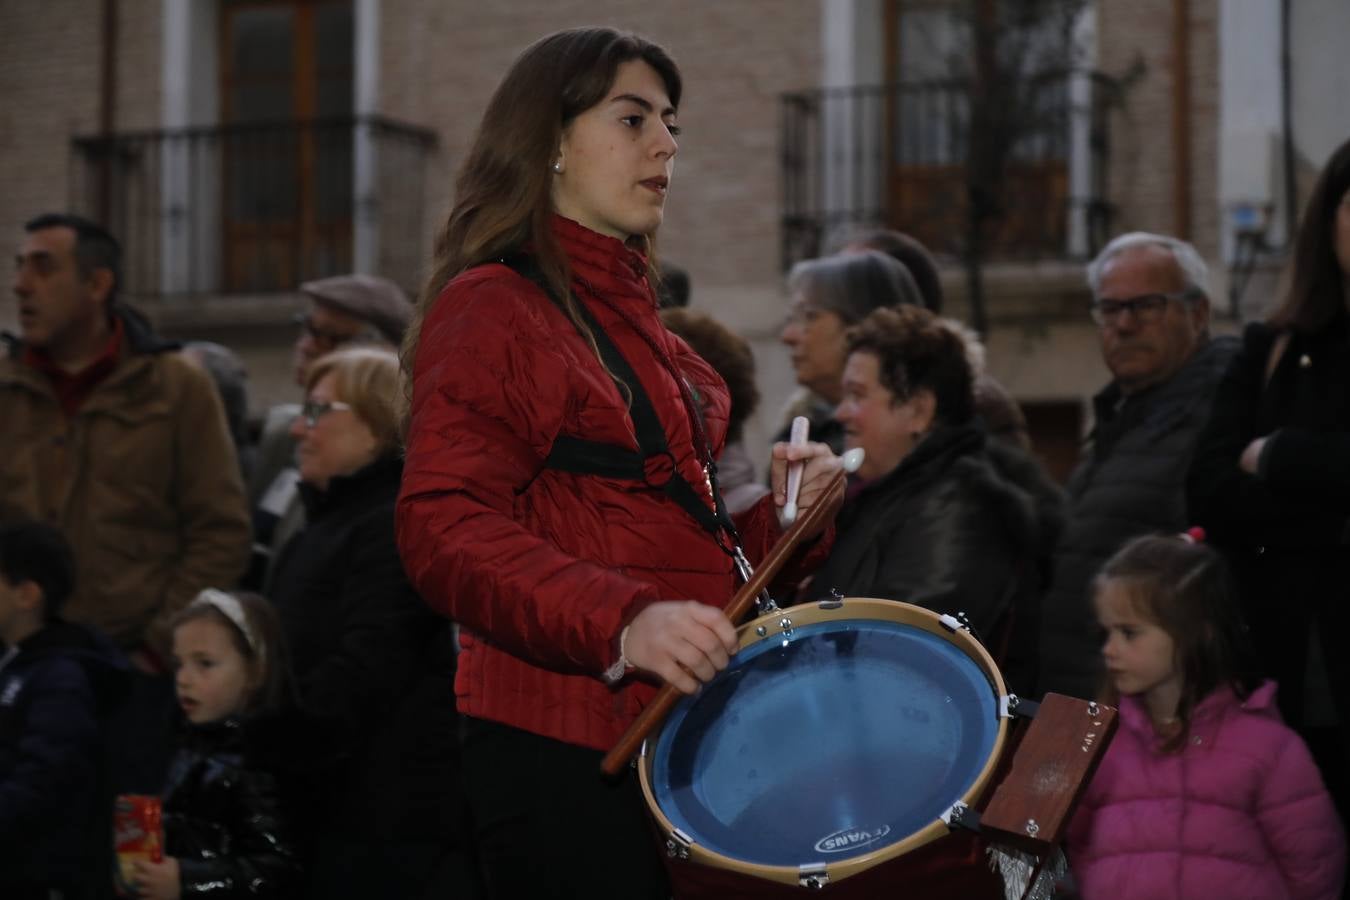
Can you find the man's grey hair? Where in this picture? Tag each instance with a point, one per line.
(1192, 267)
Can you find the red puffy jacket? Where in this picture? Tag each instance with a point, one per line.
(542, 568)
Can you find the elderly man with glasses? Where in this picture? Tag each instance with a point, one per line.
(1151, 306)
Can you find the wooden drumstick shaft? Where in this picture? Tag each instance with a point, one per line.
(655, 712)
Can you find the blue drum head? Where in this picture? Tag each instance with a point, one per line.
(846, 737)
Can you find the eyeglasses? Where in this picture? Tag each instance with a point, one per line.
(1145, 309)
(314, 410)
(330, 339)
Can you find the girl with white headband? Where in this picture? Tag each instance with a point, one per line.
(225, 826)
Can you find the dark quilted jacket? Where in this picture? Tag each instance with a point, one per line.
(1131, 482)
(56, 687)
(227, 819)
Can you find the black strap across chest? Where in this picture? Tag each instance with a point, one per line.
(652, 462)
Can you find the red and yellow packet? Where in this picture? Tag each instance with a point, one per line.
(137, 835)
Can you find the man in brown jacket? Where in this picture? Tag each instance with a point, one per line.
(112, 436)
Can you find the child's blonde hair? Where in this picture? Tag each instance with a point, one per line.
(1183, 586)
(255, 630)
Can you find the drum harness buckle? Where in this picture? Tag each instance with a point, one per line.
(961, 816)
(1013, 706)
(763, 603)
(813, 876)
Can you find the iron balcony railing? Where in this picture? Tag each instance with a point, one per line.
(258, 207)
(897, 156)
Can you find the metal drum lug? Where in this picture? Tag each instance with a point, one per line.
(677, 844)
(834, 601)
(813, 876)
(952, 623)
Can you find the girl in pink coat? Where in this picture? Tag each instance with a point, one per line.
(1204, 791)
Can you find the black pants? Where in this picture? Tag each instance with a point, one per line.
(549, 825)
(356, 868)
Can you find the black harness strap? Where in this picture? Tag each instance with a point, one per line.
(652, 463)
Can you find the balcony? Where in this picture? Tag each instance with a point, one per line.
(258, 208)
(899, 156)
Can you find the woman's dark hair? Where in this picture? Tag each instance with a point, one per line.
(673, 291)
(912, 254)
(728, 353)
(1186, 589)
(917, 350)
(503, 194)
(1315, 284)
(273, 692)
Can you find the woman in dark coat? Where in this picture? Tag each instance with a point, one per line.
(935, 520)
(1270, 480)
(374, 667)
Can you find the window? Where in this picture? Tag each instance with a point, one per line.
(286, 101)
(979, 82)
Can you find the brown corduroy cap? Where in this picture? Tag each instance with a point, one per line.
(367, 297)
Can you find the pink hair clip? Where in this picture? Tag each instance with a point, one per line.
(1193, 535)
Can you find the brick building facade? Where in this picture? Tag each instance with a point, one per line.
(431, 64)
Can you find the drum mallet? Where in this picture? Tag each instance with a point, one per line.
(801, 429)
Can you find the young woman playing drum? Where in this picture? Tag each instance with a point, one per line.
(558, 493)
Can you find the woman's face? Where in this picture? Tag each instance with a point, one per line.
(885, 429)
(617, 157)
(338, 443)
(1343, 235)
(815, 338)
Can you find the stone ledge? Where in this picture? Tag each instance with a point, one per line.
(211, 312)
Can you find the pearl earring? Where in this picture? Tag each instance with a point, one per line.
(557, 167)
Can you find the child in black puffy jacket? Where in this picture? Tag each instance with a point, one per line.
(227, 829)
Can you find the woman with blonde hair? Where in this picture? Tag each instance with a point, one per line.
(559, 496)
(373, 666)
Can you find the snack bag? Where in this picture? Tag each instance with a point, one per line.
(137, 834)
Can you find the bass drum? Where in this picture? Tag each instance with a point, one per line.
(836, 742)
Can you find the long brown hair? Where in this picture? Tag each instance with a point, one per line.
(1315, 292)
(503, 194)
(1185, 588)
